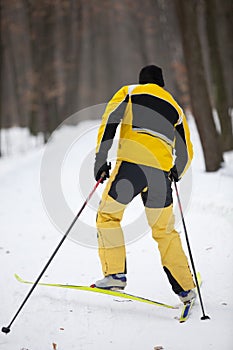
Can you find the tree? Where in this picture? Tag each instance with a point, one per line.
(224, 18)
(219, 91)
(171, 50)
(200, 101)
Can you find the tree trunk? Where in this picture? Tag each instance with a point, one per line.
(200, 102)
(224, 13)
(218, 83)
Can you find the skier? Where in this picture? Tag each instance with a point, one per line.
(154, 149)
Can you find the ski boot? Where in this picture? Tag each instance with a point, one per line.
(113, 282)
(187, 296)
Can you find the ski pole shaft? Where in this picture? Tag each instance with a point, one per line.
(7, 329)
(204, 316)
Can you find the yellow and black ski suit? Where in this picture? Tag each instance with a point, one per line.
(154, 136)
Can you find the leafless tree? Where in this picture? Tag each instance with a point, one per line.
(218, 83)
(200, 101)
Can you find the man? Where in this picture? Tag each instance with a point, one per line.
(154, 149)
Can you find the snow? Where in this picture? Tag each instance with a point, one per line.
(65, 319)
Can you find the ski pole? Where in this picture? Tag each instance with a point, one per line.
(7, 329)
(204, 316)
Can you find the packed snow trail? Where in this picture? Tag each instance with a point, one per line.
(78, 321)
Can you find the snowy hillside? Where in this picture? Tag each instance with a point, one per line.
(65, 319)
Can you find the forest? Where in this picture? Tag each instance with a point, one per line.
(60, 56)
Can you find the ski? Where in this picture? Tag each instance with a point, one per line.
(93, 289)
(185, 313)
(187, 307)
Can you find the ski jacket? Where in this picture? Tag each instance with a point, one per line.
(153, 128)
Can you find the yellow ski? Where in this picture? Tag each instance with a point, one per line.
(101, 291)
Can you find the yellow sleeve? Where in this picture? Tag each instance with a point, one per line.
(183, 130)
(112, 116)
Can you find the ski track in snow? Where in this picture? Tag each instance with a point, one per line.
(83, 321)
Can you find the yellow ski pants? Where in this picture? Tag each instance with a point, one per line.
(161, 220)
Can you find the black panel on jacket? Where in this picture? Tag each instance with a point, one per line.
(181, 149)
(154, 116)
(158, 105)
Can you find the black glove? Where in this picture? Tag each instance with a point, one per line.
(101, 168)
(173, 175)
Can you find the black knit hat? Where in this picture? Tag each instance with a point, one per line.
(151, 74)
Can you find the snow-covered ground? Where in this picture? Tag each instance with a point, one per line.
(65, 319)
